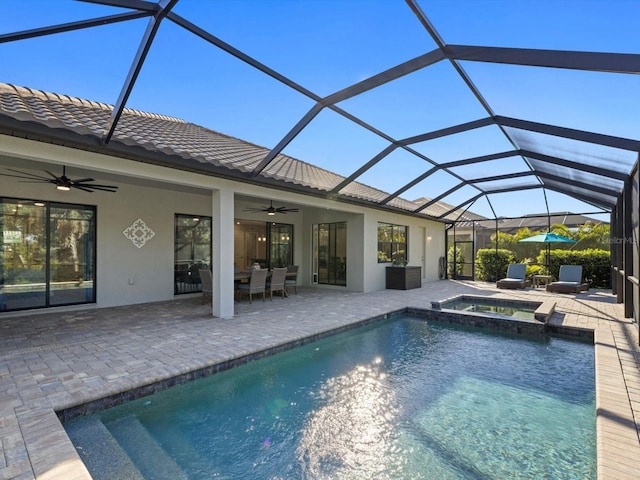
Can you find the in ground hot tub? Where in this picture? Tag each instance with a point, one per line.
(525, 315)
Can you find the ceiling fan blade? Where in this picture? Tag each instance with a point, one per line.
(35, 181)
(28, 179)
(83, 188)
(54, 176)
(29, 176)
(83, 180)
(95, 186)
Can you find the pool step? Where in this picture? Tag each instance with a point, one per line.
(100, 452)
(145, 452)
(543, 312)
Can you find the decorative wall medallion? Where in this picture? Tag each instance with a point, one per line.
(139, 233)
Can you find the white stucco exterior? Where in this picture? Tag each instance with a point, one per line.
(126, 274)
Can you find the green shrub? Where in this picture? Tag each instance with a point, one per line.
(534, 270)
(596, 264)
(491, 265)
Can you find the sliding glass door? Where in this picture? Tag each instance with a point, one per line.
(71, 254)
(192, 251)
(48, 254)
(330, 253)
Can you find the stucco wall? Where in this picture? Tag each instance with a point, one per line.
(425, 246)
(127, 274)
(355, 255)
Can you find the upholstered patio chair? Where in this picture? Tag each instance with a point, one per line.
(569, 280)
(207, 284)
(257, 284)
(292, 278)
(276, 283)
(516, 277)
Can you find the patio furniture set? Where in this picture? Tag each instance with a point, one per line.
(256, 281)
(260, 281)
(569, 279)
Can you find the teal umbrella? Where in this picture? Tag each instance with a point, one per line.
(547, 238)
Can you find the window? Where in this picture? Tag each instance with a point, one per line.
(330, 253)
(280, 243)
(192, 251)
(392, 243)
(268, 244)
(48, 254)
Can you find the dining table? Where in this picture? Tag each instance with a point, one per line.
(242, 276)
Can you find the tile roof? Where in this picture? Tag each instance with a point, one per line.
(174, 137)
(540, 221)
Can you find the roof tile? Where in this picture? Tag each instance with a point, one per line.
(174, 136)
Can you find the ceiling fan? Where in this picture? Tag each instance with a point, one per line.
(61, 182)
(271, 210)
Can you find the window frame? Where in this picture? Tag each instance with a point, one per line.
(187, 280)
(329, 240)
(391, 249)
(79, 288)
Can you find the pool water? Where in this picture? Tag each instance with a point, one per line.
(401, 399)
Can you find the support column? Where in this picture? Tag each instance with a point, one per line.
(613, 248)
(628, 250)
(222, 252)
(619, 247)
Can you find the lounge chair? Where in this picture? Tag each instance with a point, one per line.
(569, 280)
(276, 283)
(257, 284)
(516, 277)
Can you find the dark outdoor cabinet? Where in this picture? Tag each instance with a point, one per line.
(404, 278)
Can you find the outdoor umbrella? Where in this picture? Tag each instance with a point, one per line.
(547, 238)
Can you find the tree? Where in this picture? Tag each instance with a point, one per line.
(593, 235)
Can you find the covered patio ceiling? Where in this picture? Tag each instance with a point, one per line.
(457, 103)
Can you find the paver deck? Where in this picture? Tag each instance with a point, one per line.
(50, 361)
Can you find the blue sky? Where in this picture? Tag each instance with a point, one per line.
(328, 45)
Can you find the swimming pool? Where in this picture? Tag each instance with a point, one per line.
(401, 399)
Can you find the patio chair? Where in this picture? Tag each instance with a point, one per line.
(207, 284)
(257, 284)
(292, 278)
(516, 277)
(569, 280)
(277, 282)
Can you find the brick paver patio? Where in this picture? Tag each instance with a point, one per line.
(50, 361)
